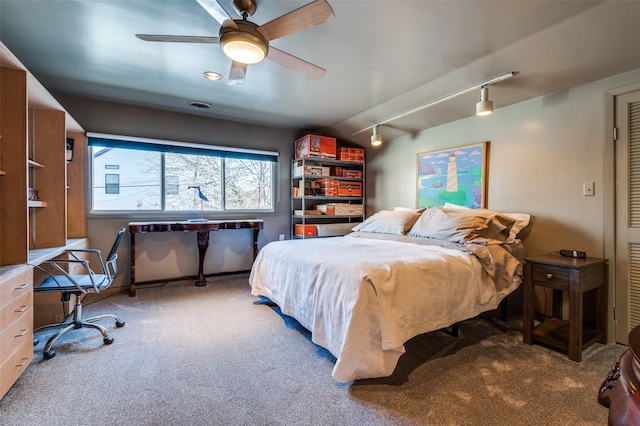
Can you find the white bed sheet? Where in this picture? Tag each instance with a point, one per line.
(363, 298)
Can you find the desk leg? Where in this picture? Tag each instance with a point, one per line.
(132, 282)
(203, 244)
(255, 243)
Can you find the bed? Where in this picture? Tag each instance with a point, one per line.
(397, 275)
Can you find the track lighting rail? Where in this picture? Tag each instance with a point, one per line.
(489, 82)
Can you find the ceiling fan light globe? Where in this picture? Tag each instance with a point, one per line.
(244, 52)
(243, 44)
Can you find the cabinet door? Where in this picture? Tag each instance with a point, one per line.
(13, 157)
(47, 147)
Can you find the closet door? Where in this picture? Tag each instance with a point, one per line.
(627, 214)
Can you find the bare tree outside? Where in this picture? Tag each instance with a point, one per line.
(247, 184)
(129, 179)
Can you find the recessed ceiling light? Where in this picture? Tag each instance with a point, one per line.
(212, 75)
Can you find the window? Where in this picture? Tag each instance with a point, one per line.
(111, 184)
(165, 177)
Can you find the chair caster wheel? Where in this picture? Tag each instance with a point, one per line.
(48, 354)
(119, 323)
(108, 340)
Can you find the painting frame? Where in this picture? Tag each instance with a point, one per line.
(456, 175)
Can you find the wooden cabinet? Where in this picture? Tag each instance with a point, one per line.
(326, 194)
(577, 278)
(34, 128)
(16, 324)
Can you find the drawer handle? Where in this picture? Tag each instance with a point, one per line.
(23, 286)
(24, 361)
(22, 308)
(22, 332)
(550, 276)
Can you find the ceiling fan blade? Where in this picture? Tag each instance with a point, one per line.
(310, 15)
(296, 64)
(178, 39)
(237, 73)
(218, 13)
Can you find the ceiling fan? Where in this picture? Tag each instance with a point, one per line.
(247, 43)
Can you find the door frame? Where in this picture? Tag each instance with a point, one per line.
(610, 201)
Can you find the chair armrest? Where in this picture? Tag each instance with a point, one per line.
(72, 252)
(84, 263)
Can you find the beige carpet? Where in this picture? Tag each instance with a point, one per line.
(215, 355)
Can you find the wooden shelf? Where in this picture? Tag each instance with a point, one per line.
(555, 332)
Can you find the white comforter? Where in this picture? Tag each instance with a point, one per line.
(362, 298)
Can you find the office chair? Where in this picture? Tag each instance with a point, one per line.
(78, 285)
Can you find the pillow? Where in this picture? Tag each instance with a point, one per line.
(479, 226)
(521, 219)
(521, 222)
(389, 222)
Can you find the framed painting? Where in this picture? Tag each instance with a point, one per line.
(454, 175)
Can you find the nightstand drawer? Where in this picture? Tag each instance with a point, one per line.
(550, 276)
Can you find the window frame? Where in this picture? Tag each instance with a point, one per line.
(164, 146)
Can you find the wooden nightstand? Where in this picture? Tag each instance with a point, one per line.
(575, 276)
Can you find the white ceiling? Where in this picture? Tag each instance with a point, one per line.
(382, 57)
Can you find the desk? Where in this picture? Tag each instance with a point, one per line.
(202, 229)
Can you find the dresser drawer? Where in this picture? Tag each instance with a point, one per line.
(550, 276)
(13, 366)
(14, 336)
(15, 309)
(15, 287)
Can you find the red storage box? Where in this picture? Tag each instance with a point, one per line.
(350, 189)
(343, 154)
(306, 230)
(316, 146)
(352, 173)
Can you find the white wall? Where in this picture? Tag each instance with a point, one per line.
(541, 151)
(166, 255)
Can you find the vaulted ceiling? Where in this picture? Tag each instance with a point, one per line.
(381, 57)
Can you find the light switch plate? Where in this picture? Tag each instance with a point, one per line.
(588, 188)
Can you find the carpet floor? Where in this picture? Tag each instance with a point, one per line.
(216, 355)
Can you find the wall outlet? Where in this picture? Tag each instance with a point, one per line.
(588, 188)
(281, 237)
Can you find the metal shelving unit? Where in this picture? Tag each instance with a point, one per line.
(306, 200)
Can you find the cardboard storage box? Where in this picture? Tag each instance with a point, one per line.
(329, 209)
(328, 187)
(306, 230)
(342, 209)
(316, 146)
(350, 189)
(350, 154)
(307, 169)
(352, 173)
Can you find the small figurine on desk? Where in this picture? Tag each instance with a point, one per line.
(203, 198)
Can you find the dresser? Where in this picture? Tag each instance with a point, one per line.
(16, 323)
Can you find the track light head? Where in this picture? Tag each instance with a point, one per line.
(484, 106)
(376, 139)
